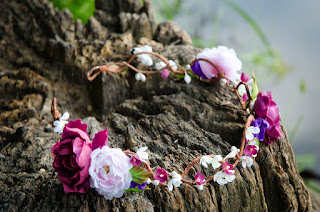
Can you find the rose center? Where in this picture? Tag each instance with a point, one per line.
(161, 175)
(246, 160)
(227, 167)
(250, 149)
(134, 160)
(218, 178)
(107, 169)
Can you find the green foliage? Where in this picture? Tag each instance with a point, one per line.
(306, 161)
(139, 174)
(81, 9)
(169, 10)
(136, 189)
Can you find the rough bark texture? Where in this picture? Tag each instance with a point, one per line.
(44, 53)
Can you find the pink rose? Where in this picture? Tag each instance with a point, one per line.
(109, 172)
(72, 156)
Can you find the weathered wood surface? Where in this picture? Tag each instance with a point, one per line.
(44, 53)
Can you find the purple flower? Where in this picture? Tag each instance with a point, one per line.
(227, 168)
(140, 186)
(200, 178)
(263, 125)
(161, 175)
(267, 109)
(250, 150)
(245, 77)
(72, 157)
(196, 68)
(135, 160)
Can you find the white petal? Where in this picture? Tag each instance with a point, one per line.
(242, 90)
(187, 78)
(65, 116)
(155, 182)
(138, 76)
(255, 130)
(173, 64)
(160, 65)
(223, 81)
(170, 186)
(136, 50)
(200, 187)
(250, 162)
(216, 164)
(56, 123)
(244, 164)
(148, 181)
(251, 105)
(143, 78)
(141, 152)
(230, 178)
(188, 67)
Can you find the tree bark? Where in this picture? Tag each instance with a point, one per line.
(44, 53)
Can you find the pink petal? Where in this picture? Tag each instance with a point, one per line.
(100, 139)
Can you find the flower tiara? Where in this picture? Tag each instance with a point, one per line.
(82, 163)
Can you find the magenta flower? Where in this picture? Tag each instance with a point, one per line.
(223, 58)
(245, 77)
(245, 97)
(165, 73)
(200, 178)
(135, 160)
(161, 175)
(72, 157)
(267, 109)
(227, 168)
(250, 150)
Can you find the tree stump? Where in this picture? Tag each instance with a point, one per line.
(44, 53)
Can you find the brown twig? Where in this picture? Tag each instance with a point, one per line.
(54, 111)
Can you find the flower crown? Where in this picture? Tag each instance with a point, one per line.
(82, 163)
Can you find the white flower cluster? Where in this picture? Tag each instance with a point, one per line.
(175, 180)
(59, 124)
(147, 60)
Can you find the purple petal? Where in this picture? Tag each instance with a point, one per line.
(196, 68)
(100, 139)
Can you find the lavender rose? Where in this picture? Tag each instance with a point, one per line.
(225, 59)
(109, 172)
(72, 157)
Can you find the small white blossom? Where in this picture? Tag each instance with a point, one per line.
(251, 105)
(148, 181)
(155, 182)
(59, 124)
(187, 78)
(160, 65)
(220, 178)
(251, 131)
(143, 155)
(223, 81)
(175, 180)
(230, 178)
(173, 64)
(233, 153)
(246, 161)
(188, 67)
(199, 187)
(205, 160)
(145, 58)
(242, 90)
(216, 161)
(140, 77)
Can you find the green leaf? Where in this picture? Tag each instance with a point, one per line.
(306, 161)
(255, 89)
(257, 141)
(139, 174)
(138, 190)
